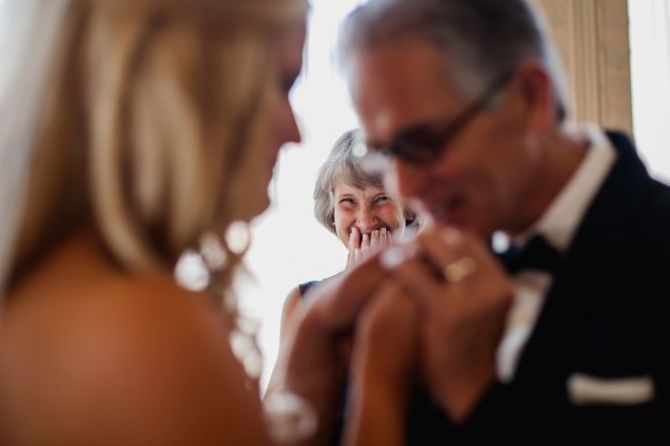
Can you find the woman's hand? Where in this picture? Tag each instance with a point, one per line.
(363, 245)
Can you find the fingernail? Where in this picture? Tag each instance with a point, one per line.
(392, 257)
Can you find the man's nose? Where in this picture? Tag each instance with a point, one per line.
(409, 180)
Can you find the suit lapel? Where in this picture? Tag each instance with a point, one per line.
(596, 253)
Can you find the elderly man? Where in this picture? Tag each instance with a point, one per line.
(464, 105)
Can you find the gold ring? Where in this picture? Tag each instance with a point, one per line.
(460, 269)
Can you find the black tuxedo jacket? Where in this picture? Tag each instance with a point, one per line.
(606, 316)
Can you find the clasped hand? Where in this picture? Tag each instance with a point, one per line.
(431, 309)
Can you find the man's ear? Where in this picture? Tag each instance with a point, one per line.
(536, 96)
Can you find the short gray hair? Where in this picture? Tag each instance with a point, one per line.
(342, 162)
(488, 38)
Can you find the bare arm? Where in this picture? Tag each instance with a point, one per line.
(311, 364)
(290, 309)
(385, 353)
(291, 304)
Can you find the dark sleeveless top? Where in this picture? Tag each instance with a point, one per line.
(304, 287)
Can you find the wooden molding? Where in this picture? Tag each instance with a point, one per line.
(592, 39)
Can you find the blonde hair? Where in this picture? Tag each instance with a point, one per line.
(155, 110)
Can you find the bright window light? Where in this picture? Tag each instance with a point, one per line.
(650, 74)
(289, 246)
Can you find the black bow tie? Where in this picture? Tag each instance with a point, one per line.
(537, 254)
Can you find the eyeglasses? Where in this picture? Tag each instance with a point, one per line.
(421, 146)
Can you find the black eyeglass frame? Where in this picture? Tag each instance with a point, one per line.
(433, 149)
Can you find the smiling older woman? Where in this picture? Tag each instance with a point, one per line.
(353, 204)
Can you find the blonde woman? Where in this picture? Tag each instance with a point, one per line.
(131, 129)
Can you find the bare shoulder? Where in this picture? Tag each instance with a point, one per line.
(103, 358)
(291, 304)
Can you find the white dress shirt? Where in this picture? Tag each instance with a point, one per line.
(558, 226)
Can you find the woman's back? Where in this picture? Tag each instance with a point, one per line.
(142, 127)
(89, 355)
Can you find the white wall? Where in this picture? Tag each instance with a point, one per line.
(650, 67)
(289, 246)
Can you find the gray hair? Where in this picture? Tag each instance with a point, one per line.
(488, 38)
(342, 162)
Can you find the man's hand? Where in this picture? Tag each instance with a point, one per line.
(464, 296)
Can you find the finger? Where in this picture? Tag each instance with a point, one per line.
(458, 246)
(412, 274)
(468, 266)
(386, 237)
(350, 259)
(354, 239)
(337, 302)
(481, 250)
(354, 243)
(374, 239)
(442, 247)
(365, 242)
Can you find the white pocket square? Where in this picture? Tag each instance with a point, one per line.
(591, 390)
